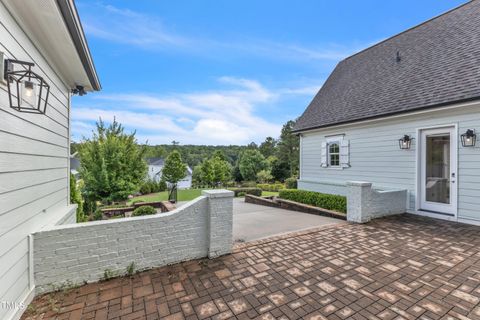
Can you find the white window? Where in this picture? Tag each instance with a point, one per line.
(335, 152)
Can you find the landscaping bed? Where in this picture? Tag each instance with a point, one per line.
(164, 206)
(272, 201)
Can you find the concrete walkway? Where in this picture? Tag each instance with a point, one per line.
(253, 222)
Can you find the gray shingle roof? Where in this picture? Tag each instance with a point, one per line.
(155, 161)
(439, 64)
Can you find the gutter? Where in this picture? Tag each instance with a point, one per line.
(70, 16)
(392, 114)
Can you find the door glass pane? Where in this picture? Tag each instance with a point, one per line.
(438, 168)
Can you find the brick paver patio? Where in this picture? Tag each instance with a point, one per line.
(397, 268)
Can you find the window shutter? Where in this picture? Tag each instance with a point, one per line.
(324, 155)
(345, 154)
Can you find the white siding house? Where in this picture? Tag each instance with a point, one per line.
(155, 167)
(35, 148)
(423, 83)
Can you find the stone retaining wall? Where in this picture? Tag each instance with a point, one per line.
(293, 206)
(84, 252)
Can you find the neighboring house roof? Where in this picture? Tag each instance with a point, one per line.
(438, 63)
(54, 26)
(155, 161)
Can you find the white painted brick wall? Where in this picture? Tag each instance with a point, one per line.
(365, 203)
(81, 253)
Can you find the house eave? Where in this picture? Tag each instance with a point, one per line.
(432, 108)
(54, 28)
(70, 15)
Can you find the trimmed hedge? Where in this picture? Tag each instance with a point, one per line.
(274, 187)
(291, 183)
(317, 199)
(253, 191)
(144, 211)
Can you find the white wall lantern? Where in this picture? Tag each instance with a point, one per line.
(469, 138)
(27, 91)
(405, 142)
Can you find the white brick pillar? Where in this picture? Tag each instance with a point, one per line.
(358, 199)
(220, 221)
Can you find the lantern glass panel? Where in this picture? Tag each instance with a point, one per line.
(28, 94)
(405, 143)
(469, 139)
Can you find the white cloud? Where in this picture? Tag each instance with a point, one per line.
(226, 116)
(148, 32)
(128, 27)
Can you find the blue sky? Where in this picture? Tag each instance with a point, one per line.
(224, 72)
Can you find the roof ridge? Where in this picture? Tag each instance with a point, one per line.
(410, 29)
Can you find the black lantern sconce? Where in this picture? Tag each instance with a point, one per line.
(469, 138)
(406, 142)
(27, 91)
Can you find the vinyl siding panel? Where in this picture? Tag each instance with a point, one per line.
(376, 157)
(34, 165)
(14, 181)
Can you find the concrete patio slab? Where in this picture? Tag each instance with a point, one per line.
(253, 222)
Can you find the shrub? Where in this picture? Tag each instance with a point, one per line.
(146, 188)
(291, 183)
(161, 186)
(274, 187)
(264, 176)
(89, 206)
(321, 200)
(253, 191)
(151, 186)
(144, 211)
(248, 184)
(98, 215)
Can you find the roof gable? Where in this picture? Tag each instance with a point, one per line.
(155, 161)
(438, 64)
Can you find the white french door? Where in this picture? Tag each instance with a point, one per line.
(438, 174)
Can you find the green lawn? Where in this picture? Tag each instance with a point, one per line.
(269, 194)
(183, 195)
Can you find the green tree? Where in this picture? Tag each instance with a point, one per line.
(236, 174)
(207, 175)
(76, 197)
(214, 171)
(279, 170)
(268, 147)
(112, 165)
(174, 169)
(251, 163)
(221, 168)
(288, 148)
(264, 176)
(197, 176)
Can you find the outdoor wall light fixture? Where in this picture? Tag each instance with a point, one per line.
(469, 138)
(80, 90)
(27, 91)
(405, 142)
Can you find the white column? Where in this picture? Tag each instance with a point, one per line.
(220, 222)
